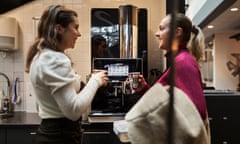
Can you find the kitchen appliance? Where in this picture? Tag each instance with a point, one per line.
(116, 97)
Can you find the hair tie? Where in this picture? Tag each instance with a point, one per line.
(195, 30)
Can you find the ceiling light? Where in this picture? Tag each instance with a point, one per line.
(234, 9)
(210, 26)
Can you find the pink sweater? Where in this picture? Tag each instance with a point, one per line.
(188, 79)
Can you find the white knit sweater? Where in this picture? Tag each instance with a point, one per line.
(56, 85)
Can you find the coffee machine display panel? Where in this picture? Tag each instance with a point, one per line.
(118, 68)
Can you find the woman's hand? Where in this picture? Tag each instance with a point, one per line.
(101, 75)
(141, 84)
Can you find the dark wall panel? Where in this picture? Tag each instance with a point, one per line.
(7, 5)
(180, 7)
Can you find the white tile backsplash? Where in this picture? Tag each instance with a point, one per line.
(31, 105)
(20, 76)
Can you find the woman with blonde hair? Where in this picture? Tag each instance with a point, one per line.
(148, 119)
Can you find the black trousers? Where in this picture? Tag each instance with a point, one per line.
(58, 131)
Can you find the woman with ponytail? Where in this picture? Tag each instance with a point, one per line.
(148, 119)
(196, 44)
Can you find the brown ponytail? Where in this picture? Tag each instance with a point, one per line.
(196, 44)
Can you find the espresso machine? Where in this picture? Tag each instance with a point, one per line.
(117, 97)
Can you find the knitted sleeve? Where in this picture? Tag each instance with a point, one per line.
(57, 74)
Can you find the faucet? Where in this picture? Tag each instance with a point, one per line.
(8, 84)
(5, 102)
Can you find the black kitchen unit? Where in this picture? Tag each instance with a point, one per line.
(223, 106)
(99, 133)
(20, 128)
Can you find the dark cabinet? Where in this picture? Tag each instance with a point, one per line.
(224, 118)
(13, 134)
(20, 134)
(97, 137)
(93, 133)
(19, 128)
(2, 136)
(99, 133)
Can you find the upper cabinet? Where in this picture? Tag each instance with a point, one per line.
(8, 34)
(7, 5)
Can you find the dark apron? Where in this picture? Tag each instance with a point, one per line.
(58, 131)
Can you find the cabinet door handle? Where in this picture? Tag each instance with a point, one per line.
(225, 118)
(210, 118)
(33, 133)
(96, 132)
(224, 142)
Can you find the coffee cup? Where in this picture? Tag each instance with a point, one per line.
(133, 80)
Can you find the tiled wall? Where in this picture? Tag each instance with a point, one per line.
(13, 63)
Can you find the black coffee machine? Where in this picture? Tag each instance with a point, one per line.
(116, 97)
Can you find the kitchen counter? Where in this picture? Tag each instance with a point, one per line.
(24, 124)
(18, 127)
(21, 118)
(25, 118)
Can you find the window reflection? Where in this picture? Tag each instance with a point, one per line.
(105, 23)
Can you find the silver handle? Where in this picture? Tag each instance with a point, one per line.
(33, 133)
(210, 118)
(96, 132)
(225, 118)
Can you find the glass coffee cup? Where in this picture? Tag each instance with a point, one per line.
(133, 80)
